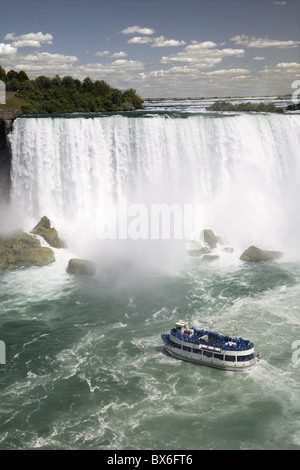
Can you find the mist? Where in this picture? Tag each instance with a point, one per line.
(243, 170)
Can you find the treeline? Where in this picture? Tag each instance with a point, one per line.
(68, 95)
(258, 107)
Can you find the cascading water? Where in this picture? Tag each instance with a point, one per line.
(243, 169)
(85, 366)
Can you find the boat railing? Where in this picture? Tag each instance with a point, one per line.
(218, 341)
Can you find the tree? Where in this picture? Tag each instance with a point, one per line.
(22, 76)
(12, 74)
(116, 97)
(12, 85)
(56, 82)
(88, 86)
(43, 82)
(3, 76)
(102, 87)
(68, 82)
(46, 95)
(133, 98)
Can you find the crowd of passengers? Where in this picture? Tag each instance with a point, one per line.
(214, 339)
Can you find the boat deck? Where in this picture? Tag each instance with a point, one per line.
(212, 339)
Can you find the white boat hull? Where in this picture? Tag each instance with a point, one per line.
(210, 362)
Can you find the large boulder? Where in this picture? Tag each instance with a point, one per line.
(210, 238)
(50, 235)
(23, 250)
(256, 254)
(81, 266)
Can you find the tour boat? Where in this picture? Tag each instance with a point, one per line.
(209, 348)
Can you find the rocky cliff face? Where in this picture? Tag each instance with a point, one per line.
(6, 122)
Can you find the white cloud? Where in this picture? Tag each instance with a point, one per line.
(7, 49)
(29, 39)
(227, 72)
(195, 45)
(140, 40)
(189, 71)
(133, 64)
(102, 54)
(110, 54)
(26, 43)
(43, 63)
(120, 73)
(137, 30)
(261, 43)
(160, 41)
(44, 57)
(202, 54)
(119, 54)
(279, 3)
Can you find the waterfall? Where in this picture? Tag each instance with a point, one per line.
(244, 169)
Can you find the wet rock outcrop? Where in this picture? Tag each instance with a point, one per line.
(81, 266)
(256, 254)
(50, 235)
(210, 238)
(23, 250)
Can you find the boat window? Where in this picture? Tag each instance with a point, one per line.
(207, 354)
(186, 348)
(230, 358)
(175, 345)
(245, 358)
(218, 356)
(197, 351)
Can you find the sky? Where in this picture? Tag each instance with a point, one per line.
(161, 48)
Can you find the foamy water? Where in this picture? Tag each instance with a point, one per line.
(85, 364)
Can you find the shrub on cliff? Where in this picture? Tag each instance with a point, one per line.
(245, 107)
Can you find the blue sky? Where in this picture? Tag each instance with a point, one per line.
(162, 48)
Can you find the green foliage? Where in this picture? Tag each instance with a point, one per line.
(294, 107)
(246, 107)
(13, 80)
(44, 95)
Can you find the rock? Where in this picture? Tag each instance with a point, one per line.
(210, 257)
(50, 235)
(194, 248)
(43, 224)
(255, 254)
(220, 240)
(81, 266)
(23, 250)
(210, 238)
(202, 251)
